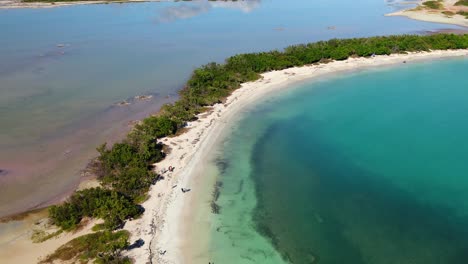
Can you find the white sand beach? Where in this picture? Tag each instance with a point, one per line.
(436, 16)
(163, 226)
(433, 17)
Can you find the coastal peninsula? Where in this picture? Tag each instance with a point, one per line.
(439, 11)
(141, 178)
(166, 226)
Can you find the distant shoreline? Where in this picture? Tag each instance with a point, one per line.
(18, 4)
(448, 14)
(163, 225)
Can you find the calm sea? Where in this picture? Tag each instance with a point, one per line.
(365, 168)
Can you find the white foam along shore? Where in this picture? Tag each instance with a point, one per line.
(436, 16)
(164, 225)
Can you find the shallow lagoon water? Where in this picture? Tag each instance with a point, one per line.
(369, 167)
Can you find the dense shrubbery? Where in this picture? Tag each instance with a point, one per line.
(155, 127)
(109, 205)
(105, 247)
(462, 3)
(125, 170)
(433, 4)
(448, 13)
(463, 13)
(125, 173)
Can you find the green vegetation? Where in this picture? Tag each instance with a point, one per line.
(109, 205)
(434, 4)
(211, 83)
(102, 247)
(448, 13)
(462, 3)
(99, 227)
(125, 170)
(463, 13)
(39, 236)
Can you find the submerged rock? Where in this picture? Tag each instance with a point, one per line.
(122, 103)
(143, 97)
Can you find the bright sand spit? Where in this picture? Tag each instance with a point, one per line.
(436, 16)
(165, 225)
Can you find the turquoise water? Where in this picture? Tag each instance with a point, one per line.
(369, 168)
(57, 103)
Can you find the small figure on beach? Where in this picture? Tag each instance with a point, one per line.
(184, 190)
(162, 252)
(171, 169)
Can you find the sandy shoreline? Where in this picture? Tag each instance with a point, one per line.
(432, 17)
(435, 16)
(16, 245)
(164, 227)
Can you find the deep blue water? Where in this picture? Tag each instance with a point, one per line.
(369, 167)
